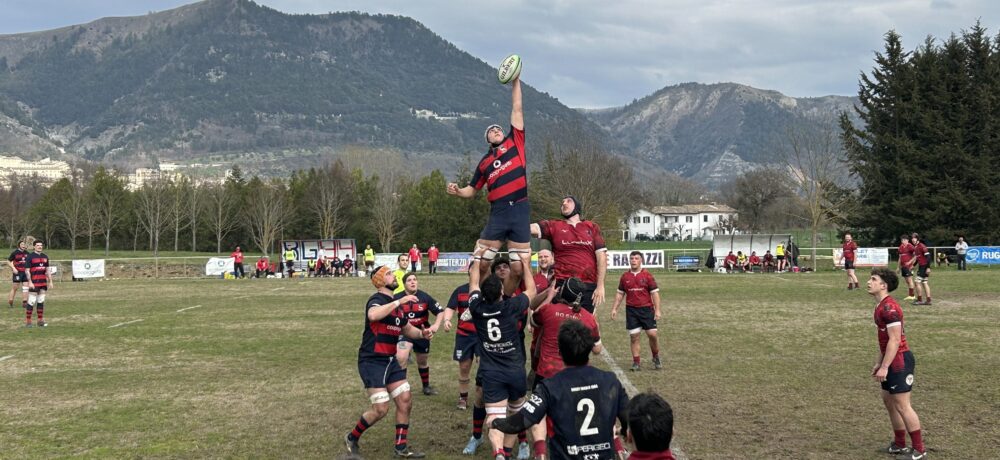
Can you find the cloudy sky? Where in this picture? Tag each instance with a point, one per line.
(600, 53)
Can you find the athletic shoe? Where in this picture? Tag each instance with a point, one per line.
(407, 453)
(656, 364)
(893, 449)
(920, 302)
(523, 452)
(43, 323)
(430, 391)
(635, 367)
(912, 455)
(472, 445)
(352, 446)
(463, 404)
(927, 302)
(29, 325)
(909, 297)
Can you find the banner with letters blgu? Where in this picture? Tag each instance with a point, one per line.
(983, 255)
(88, 268)
(618, 260)
(863, 257)
(219, 265)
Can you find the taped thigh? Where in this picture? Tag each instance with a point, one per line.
(404, 388)
(24, 288)
(32, 298)
(498, 412)
(41, 297)
(635, 331)
(380, 397)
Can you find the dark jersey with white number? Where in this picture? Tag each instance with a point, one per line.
(500, 344)
(582, 404)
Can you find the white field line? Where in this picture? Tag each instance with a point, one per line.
(126, 322)
(4, 358)
(632, 391)
(188, 308)
(278, 289)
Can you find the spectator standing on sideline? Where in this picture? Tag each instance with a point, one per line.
(779, 253)
(960, 248)
(849, 248)
(369, 259)
(20, 279)
(290, 261)
(650, 427)
(237, 256)
(261, 267)
(432, 259)
(638, 289)
(793, 253)
(39, 282)
(414, 257)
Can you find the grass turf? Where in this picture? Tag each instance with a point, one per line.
(755, 366)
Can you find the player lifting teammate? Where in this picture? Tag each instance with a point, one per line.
(381, 374)
(503, 170)
(579, 248)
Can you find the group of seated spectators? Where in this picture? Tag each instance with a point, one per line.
(742, 263)
(314, 267)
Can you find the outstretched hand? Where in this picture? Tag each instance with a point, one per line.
(452, 188)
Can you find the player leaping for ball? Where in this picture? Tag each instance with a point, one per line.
(504, 173)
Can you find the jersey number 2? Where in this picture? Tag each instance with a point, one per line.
(493, 329)
(586, 404)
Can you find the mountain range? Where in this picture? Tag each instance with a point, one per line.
(230, 78)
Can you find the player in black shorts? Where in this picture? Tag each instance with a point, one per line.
(418, 313)
(500, 348)
(581, 402)
(20, 276)
(384, 380)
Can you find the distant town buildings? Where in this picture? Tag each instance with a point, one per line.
(693, 221)
(47, 169)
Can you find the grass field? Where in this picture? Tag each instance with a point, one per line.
(756, 366)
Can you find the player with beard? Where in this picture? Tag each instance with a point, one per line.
(418, 314)
(579, 247)
(503, 171)
(381, 374)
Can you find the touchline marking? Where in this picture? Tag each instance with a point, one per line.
(632, 391)
(4, 358)
(126, 322)
(188, 308)
(278, 289)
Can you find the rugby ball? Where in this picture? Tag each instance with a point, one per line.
(509, 69)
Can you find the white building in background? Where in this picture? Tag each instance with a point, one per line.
(47, 169)
(692, 221)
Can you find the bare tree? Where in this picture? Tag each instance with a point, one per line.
(754, 194)
(152, 210)
(195, 208)
(221, 211)
(69, 209)
(329, 199)
(267, 211)
(15, 201)
(816, 162)
(177, 211)
(668, 189)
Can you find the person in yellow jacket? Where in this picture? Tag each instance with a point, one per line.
(290, 261)
(779, 253)
(369, 260)
(404, 264)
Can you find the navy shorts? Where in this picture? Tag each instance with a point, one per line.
(20, 277)
(380, 372)
(848, 264)
(922, 272)
(39, 288)
(905, 271)
(465, 347)
(587, 302)
(508, 222)
(901, 381)
(508, 385)
(422, 346)
(639, 318)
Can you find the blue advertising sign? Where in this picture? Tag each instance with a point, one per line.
(983, 255)
(454, 262)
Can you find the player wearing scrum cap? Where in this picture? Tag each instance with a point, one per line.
(381, 374)
(503, 171)
(579, 247)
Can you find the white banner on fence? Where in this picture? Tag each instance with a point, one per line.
(864, 257)
(88, 268)
(618, 260)
(219, 265)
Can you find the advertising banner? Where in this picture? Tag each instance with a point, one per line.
(651, 258)
(864, 257)
(983, 255)
(88, 268)
(328, 249)
(219, 265)
(454, 262)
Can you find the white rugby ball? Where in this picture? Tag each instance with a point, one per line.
(509, 69)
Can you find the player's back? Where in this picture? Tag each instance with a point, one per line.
(583, 403)
(497, 326)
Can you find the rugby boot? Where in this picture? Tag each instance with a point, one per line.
(912, 455)
(472, 445)
(635, 367)
(407, 453)
(430, 391)
(352, 446)
(893, 449)
(656, 364)
(42, 324)
(463, 404)
(523, 453)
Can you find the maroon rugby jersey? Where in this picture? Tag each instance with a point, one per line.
(38, 269)
(849, 249)
(380, 337)
(922, 254)
(888, 313)
(638, 288)
(459, 302)
(503, 170)
(905, 253)
(574, 248)
(548, 320)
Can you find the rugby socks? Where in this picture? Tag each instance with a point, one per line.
(917, 440)
(508, 452)
(478, 416)
(920, 298)
(401, 430)
(498, 452)
(899, 438)
(358, 430)
(911, 292)
(425, 375)
(619, 447)
(41, 307)
(635, 360)
(27, 313)
(539, 448)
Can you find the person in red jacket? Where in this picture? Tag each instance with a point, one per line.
(237, 256)
(754, 261)
(262, 267)
(730, 262)
(414, 257)
(432, 258)
(849, 248)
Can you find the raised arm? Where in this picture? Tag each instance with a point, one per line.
(516, 111)
(464, 192)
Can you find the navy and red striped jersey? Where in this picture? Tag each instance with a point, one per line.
(459, 302)
(503, 170)
(574, 247)
(638, 288)
(889, 314)
(17, 257)
(418, 313)
(380, 337)
(37, 265)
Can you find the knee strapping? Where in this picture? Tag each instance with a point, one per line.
(24, 289)
(404, 388)
(381, 397)
(512, 408)
(498, 412)
(486, 252)
(515, 254)
(464, 381)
